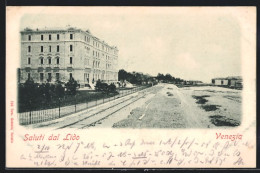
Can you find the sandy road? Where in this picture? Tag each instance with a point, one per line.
(194, 116)
(173, 107)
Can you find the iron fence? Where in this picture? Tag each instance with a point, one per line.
(37, 116)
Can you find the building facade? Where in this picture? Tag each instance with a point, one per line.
(232, 81)
(48, 55)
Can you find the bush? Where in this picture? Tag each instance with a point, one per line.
(112, 88)
(59, 90)
(71, 86)
(31, 95)
(104, 87)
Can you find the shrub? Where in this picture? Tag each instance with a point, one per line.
(59, 89)
(112, 88)
(104, 87)
(71, 86)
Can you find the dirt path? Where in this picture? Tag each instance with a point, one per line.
(194, 116)
(173, 107)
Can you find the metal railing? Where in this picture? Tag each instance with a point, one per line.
(37, 116)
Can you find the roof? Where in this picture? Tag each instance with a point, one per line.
(67, 28)
(229, 78)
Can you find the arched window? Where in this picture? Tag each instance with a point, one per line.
(57, 60)
(41, 60)
(49, 60)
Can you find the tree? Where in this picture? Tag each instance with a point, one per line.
(122, 75)
(111, 88)
(59, 89)
(160, 76)
(98, 85)
(71, 86)
(168, 77)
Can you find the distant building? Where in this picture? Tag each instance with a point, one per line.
(60, 54)
(192, 82)
(232, 81)
(220, 81)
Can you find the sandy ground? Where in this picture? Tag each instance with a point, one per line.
(174, 107)
(161, 106)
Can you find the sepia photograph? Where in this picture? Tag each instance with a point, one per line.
(131, 86)
(120, 71)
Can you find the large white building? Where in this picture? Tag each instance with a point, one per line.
(60, 54)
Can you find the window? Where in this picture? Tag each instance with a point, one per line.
(71, 36)
(58, 48)
(41, 48)
(29, 48)
(49, 48)
(49, 77)
(71, 76)
(41, 37)
(29, 76)
(41, 77)
(49, 60)
(49, 37)
(93, 53)
(29, 37)
(85, 38)
(41, 60)
(71, 48)
(29, 60)
(70, 60)
(57, 76)
(58, 36)
(58, 60)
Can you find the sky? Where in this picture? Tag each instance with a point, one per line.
(192, 44)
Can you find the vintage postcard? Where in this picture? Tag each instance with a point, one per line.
(130, 87)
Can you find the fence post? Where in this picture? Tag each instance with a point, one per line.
(59, 107)
(75, 103)
(30, 115)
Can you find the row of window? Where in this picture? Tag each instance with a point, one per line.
(49, 76)
(95, 53)
(49, 60)
(57, 76)
(96, 44)
(96, 64)
(50, 48)
(50, 37)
